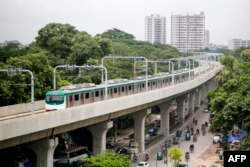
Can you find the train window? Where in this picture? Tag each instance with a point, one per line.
(77, 97)
(86, 95)
(115, 90)
(123, 89)
(97, 94)
(142, 85)
(129, 87)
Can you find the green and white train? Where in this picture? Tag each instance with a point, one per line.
(80, 94)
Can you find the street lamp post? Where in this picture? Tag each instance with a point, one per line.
(172, 64)
(187, 61)
(16, 70)
(135, 58)
(85, 67)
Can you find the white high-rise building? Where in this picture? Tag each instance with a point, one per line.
(207, 38)
(188, 32)
(237, 43)
(155, 29)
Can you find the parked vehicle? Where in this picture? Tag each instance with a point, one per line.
(216, 139)
(110, 144)
(71, 155)
(123, 150)
(143, 164)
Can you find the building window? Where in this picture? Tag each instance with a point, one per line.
(115, 90)
(129, 87)
(123, 89)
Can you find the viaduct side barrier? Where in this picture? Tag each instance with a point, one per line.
(20, 108)
(38, 126)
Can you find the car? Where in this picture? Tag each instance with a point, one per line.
(123, 150)
(205, 110)
(216, 139)
(142, 164)
(110, 144)
(147, 137)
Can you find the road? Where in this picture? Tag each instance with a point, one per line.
(204, 150)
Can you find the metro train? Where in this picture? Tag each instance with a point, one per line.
(80, 94)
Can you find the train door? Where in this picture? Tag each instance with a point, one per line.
(82, 99)
(70, 101)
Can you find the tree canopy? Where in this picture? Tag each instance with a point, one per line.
(109, 159)
(175, 154)
(60, 44)
(230, 103)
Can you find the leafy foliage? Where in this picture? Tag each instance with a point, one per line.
(230, 103)
(109, 159)
(175, 154)
(59, 44)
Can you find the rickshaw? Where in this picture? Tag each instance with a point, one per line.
(175, 141)
(187, 156)
(187, 136)
(178, 133)
(195, 138)
(203, 129)
(191, 148)
(195, 122)
(192, 131)
(197, 132)
(206, 124)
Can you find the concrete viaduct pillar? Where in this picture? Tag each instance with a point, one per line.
(99, 132)
(164, 108)
(181, 108)
(139, 126)
(198, 97)
(191, 101)
(44, 150)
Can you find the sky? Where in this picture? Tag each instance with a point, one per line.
(22, 19)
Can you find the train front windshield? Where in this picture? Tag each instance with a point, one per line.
(54, 98)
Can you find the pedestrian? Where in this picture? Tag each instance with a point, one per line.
(166, 160)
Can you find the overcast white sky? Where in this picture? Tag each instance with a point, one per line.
(21, 19)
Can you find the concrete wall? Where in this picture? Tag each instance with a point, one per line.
(20, 108)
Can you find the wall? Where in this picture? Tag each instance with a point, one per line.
(20, 108)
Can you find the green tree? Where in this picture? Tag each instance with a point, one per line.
(229, 71)
(109, 159)
(11, 49)
(83, 48)
(57, 38)
(116, 34)
(175, 154)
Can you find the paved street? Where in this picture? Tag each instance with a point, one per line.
(204, 151)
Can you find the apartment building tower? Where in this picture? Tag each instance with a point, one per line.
(188, 32)
(155, 29)
(237, 43)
